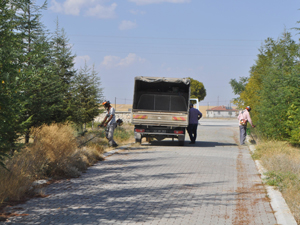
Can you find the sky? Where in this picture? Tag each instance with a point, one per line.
(209, 41)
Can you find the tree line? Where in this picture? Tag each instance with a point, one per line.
(273, 89)
(38, 82)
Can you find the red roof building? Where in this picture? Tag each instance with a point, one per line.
(221, 111)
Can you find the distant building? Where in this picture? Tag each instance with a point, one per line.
(221, 111)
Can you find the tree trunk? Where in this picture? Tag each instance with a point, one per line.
(27, 137)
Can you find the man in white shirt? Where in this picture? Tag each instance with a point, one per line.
(109, 122)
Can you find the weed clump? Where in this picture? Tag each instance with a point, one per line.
(123, 134)
(57, 143)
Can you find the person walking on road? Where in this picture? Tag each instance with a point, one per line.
(244, 118)
(194, 116)
(109, 122)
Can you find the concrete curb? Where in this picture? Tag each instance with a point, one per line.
(282, 211)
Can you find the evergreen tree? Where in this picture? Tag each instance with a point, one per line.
(62, 55)
(42, 88)
(86, 94)
(10, 96)
(63, 66)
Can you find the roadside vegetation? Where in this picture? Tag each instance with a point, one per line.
(54, 154)
(38, 82)
(272, 90)
(45, 105)
(282, 161)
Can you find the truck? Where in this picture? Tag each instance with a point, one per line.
(160, 108)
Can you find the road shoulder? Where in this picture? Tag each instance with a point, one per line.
(281, 210)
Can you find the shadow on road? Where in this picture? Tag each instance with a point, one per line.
(79, 201)
(207, 144)
(210, 144)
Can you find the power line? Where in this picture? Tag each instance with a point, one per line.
(158, 44)
(161, 53)
(165, 38)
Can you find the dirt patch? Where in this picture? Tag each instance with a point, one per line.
(242, 214)
(249, 192)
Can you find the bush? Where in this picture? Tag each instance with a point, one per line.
(293, 124)
(123, 133)
(58, 144)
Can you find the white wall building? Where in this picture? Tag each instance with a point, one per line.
(222, 112)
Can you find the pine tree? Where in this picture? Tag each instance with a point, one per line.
(87, 94)
(62, 55)
(10, 95)
(42, 88)
(63, 66)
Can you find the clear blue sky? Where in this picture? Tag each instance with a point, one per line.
(210, 41)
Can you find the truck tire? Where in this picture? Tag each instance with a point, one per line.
(138, 140)
(181, 140)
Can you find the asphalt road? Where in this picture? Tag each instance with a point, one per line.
(212, 182)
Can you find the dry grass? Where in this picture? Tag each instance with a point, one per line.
(54, 153)
(23, 169)
(58, 144)
(282, 162)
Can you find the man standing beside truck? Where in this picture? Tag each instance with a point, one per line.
(109, 122)
(194, 116)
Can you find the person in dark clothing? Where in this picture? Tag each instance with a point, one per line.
(194, 116)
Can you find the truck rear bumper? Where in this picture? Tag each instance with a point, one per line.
(159, 133)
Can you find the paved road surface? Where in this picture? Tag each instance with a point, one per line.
(212, 182)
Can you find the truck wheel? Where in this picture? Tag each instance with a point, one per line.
(181, 140)
(138, 140)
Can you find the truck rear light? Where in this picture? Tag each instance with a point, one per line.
(178, 118)
(140, 130)
(178, 131)
(140, 116)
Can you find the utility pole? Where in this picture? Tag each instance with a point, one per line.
(207, 113)
(218, 101)
(115, 104)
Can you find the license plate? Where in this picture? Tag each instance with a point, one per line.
(159, 131)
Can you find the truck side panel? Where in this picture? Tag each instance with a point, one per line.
(160, 119)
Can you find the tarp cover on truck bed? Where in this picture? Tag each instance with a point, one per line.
(161, 94)
(164, 79)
